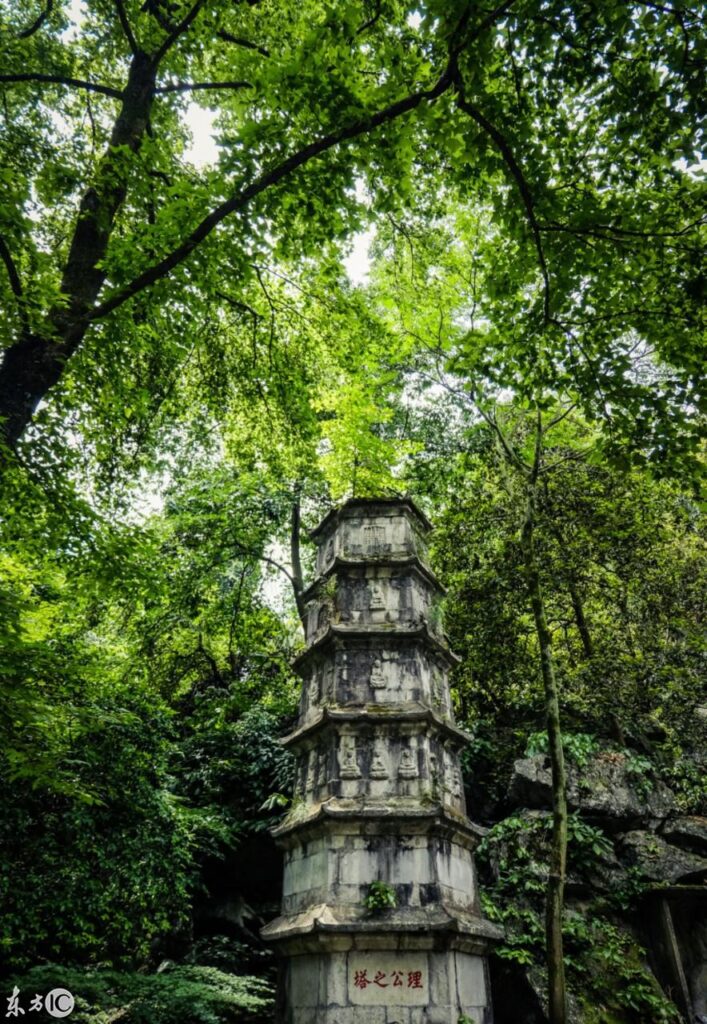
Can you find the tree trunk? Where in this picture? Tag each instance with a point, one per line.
(581, 621)
(35, 362)
(295, 557)
(558, 856)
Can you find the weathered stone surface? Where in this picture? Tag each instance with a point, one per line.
(604, 791)
(659, 860)
(689, 832)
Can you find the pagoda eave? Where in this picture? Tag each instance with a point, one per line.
(373, 817)
(375, 715)
(410, 928)
(367, 504)
(336, 632)
(409, 562)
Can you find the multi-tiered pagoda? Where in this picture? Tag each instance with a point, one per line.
(378, 794)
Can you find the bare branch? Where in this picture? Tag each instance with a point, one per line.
(266, 180)
(239, 41)
(492, 421)
(15, 283)
(372, 20)
(242, 306)
(490, 19)
(560, 417)
(125, 25)
(575, 456)
(517, 173)
(612, 231)
(76, 83)
(178, 30)
(38, 22)
(537, 454)
(196, 86)
(14, 278)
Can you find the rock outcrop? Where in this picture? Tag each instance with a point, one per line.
(607, 790)
(643, 867)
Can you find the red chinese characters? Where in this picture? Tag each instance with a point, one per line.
(397, 979)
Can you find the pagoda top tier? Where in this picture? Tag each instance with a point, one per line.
(371, 530)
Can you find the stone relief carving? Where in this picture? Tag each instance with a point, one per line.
(437, 688)
(452, 777)
(322, 769)
(349, 761)
(379, 769)
(407, 769)
(301, 778)
(457, 786)
(434, 772)
(311, 771)
(323, 616)
(313, 688)
(377, 596)
(377, 678)
(328, 678)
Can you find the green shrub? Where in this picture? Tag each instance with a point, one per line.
(176, 995)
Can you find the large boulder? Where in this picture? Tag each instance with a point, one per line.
(688, 832)
(607, 790)
(660, 861)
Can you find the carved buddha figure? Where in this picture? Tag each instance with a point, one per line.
(349, 762)
(377, 601)
(311, 771)
(436, 687)
(377, 679)
(457, 787)
(407, 768)
(313, 689)
(378, 765)
(322, 769)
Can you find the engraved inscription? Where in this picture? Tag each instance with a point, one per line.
(374, 539)
(390, 979)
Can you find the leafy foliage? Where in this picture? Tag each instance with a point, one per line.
(195, 995)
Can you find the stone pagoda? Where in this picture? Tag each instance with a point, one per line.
(378, 794)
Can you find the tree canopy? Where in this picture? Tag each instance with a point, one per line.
(190, 379)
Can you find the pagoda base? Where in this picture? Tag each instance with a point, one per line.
(384, 986)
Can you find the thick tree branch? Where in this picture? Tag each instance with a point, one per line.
(15, 282)
(76, 83)
(266, 180)
(490, 20)
(178, 30)
(34, 364)
(125, 25)
(239, 41)
(295, 555)
(38, 22)
(514, 167)
(12, 272)
(196, 86)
